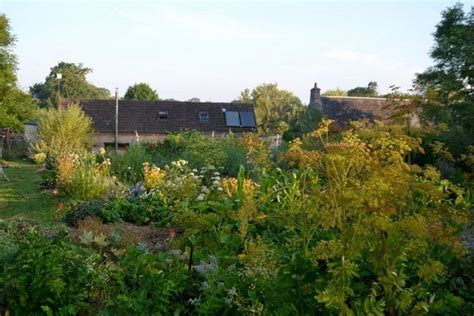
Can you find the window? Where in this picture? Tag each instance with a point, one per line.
(232, 118)
(247, 119)
(203, 116)
(163, 115)
(120, 145)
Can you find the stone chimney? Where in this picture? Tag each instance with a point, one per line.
(315, 99)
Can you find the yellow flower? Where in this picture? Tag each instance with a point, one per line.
(153, 176)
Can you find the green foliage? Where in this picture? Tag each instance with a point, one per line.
(128, 166)
(49, 275)
(141, 91)
(148, 285)
(200, 151)
(448, 97)
(335, 92)
(73, 85)
(63, 131)
(369, 91)
(16, 107)
(83, 210)
(275, 109)
(305, 121)
(7, 58)
(348, 226)
(18, 150)
(44, 273)
(83, 178)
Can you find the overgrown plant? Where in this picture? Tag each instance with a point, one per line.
(63, 131)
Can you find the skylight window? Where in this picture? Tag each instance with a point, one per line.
(203, 116)
(163, 115)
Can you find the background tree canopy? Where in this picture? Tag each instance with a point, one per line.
(275, 109)
(449, 83)
(335, 92)
(73, 85)
(447, 87)
(16, 107)
(369, 91)
(141, 91)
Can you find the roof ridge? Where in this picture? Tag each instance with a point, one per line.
(352, 97)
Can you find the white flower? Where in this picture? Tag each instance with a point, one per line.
(101, 150)
(200, 197)
(232, 291)
(220, 189)
(216, 183)
(216, 173)
(194, 170)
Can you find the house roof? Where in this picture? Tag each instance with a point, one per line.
(344, 109)
(144, 116)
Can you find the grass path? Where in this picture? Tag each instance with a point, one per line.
(22, 197)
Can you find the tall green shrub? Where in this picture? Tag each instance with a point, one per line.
(128, 166)
(63, 131)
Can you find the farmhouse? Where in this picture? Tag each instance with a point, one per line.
(151, 121)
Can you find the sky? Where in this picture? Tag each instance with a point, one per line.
(215, 49)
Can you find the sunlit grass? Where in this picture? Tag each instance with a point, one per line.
(22, 196)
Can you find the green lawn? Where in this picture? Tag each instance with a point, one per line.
(22, 197)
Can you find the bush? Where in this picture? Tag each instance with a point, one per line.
(148, 284)
(128, 166)
(236, 156)
(83, 210)
(63, 131)
(17, 150)
(50, 276)
(198, 150)
(82, 178)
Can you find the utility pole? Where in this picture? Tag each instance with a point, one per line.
(116, 119)
(59, 77)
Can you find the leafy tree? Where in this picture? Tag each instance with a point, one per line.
(16, 107)
(73, 85)
(141, 91)
(369, 91)
(194, 100)
(275, 109)
(447, 101)
(335, 92)
(448, 84)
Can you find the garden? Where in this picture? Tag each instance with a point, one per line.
(340, 221)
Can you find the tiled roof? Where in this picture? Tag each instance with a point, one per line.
(344, 109)
(144, 116)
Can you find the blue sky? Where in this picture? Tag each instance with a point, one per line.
(212, 50)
